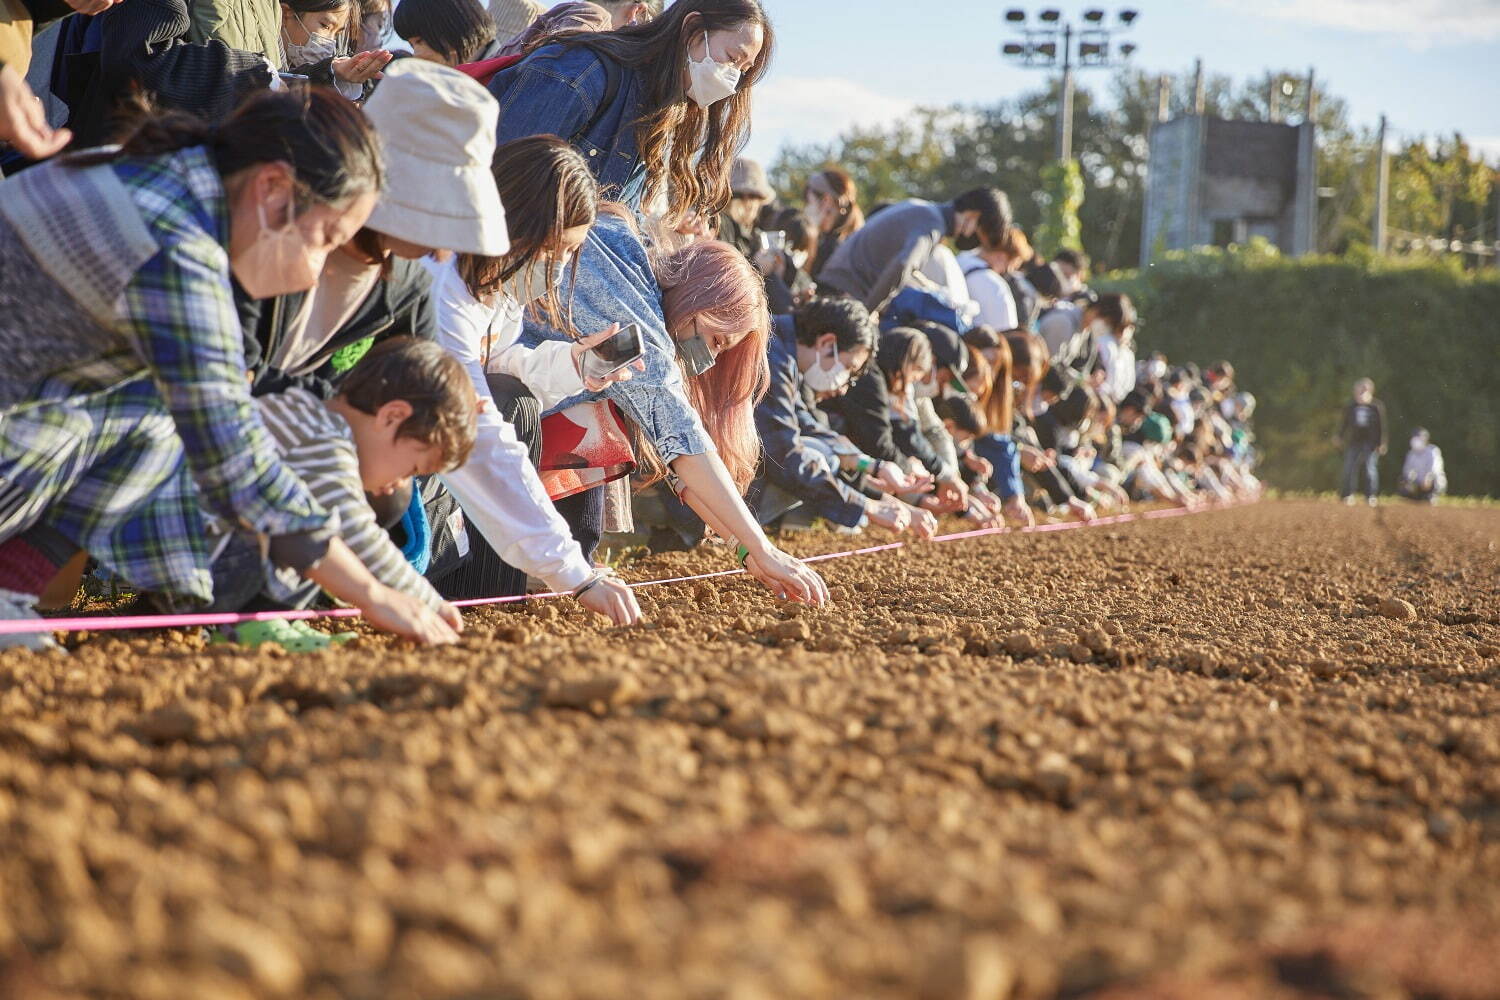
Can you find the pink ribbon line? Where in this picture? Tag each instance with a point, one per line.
(146, 622)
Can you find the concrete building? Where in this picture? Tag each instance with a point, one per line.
(1212, 182)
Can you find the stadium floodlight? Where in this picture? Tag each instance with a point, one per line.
(1046, 39)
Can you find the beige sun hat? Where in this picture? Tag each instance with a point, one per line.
(438, 130)
(748, 177)
(512, 17)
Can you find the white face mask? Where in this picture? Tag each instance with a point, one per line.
(1418, 443)
(1100, 328)
(314, 50)
(814, 212)
(927, 388)
(278, 262)
(533, 282)
(710, 81)
(799, 259)
(830, 379)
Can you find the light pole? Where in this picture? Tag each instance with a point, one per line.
(1086, 47)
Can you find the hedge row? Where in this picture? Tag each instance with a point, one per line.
(1300, 331)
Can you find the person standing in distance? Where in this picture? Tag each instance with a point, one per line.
(1364, 439)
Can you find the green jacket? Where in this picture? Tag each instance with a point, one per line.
(251, 25)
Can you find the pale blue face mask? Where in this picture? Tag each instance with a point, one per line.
(697, 357)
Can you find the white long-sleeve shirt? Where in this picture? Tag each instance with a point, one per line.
(1118, 362)
(497, 488)
(988, 290)
(1424, 466)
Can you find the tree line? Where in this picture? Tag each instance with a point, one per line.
(1439, 187)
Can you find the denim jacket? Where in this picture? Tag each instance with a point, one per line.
(615, 284)
(555, 91)
(788, 430)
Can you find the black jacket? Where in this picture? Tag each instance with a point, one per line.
(399, 306)
(863, 415)
(785, 424)
(1364, 425)
(143, 45)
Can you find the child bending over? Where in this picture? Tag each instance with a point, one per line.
(407, 409)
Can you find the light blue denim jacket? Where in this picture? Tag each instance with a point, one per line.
(555, 91)
(615, 285)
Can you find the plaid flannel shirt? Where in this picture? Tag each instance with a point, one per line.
(99, 428)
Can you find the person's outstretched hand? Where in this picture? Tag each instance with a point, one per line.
(786, 577)
(924, 526)
(889, 477)
(612, 599)
(361, 67)
(1018, 511)
(91, 7)
(392, 611)
(22, 121)
(890, 514)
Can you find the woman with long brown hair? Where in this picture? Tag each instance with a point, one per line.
(659, 109)
(997, 445)
(832, 209)
(479, 302)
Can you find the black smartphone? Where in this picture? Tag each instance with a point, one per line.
(605, 359)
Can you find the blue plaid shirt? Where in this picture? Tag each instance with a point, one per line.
(180, 319)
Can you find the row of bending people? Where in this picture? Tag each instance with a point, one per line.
(304, 278)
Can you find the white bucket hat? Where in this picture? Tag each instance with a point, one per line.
(438, 129)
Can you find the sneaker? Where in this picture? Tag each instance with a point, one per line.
(1348, 501)
(1372, 501)
(292, 636)
(22, 607)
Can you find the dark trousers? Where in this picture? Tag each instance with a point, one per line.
(1422, 494)
(481, 573)
(1361, 470)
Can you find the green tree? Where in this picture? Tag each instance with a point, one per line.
(1437, 189)
(1062, 186)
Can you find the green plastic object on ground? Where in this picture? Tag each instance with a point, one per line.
(293, 636)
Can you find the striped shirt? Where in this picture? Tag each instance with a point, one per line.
(318, 445)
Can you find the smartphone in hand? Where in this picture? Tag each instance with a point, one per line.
(773, 241)
(603, 360)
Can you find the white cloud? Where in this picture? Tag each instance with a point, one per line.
(805, 109)
(1420, 24)
(1487, 147)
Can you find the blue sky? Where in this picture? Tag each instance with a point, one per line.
(1432, 66)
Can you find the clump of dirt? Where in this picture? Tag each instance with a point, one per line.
(1186, 758)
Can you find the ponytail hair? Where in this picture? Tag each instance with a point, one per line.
(330, 146)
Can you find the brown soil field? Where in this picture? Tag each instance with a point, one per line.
(1253, 753)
